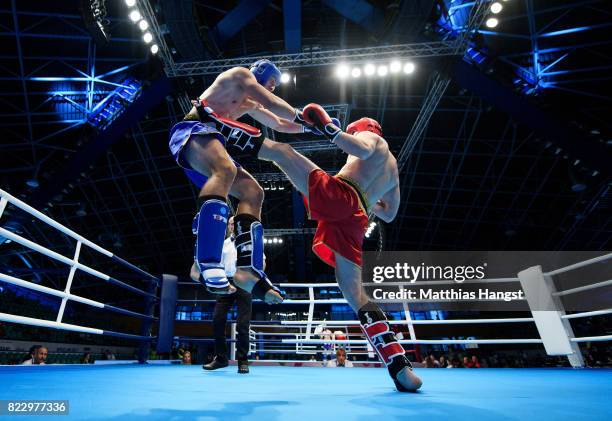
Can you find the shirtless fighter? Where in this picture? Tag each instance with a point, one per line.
(340, 204)
(205, 144)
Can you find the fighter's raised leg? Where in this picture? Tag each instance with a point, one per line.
(375, 326)
(295, 165)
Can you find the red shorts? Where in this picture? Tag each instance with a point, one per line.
(340, 209)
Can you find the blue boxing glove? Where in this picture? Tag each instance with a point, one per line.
(317, 132)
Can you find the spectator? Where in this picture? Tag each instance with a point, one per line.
(108, 355)
(431, 362)
(475, 363)
(467, 363)
(186, 358)
(340, 360)
(444, 363)
(86, 358)
(457, 363)
(38, 356)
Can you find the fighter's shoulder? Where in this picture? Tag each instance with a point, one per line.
(373, 137)
(380, 144)
(238, 73)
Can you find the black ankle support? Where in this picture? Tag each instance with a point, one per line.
(261, 288)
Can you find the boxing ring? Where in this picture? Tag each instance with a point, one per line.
(170, 391)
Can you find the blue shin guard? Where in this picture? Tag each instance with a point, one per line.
(250, 252)
(209, 226)
(249, 243)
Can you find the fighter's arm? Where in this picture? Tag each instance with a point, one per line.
(261, 95)
(361, 146)
(271, 120)
(387, 206)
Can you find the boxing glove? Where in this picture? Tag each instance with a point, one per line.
(315, 115)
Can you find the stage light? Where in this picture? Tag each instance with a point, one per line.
(130, 3)
(395, 66)
(285, 77)
(382, 71)
(154, 48)
(143, 25)
(492, 22)
(147, 37)
(409, 68)
(342, 71)
(135, 16)
(369, 69)
(496, 7)
(356, 72)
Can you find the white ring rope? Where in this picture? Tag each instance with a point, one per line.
(27, 208)
(579, 265)
(587, 314)
(10, 318)
(593, 339)
(50, 253)
(333, 323)
(50, 291)
(74, 265)
(583, 288)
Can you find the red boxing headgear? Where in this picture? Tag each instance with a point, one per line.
(364, 124)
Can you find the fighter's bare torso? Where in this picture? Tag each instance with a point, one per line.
(377, 174)
(227, 96)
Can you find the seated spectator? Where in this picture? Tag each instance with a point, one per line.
(475, 363)
(340, 360)
(431, 362)
(38, 356)
(86, 358)
(108, 355)
(186, 358)
(444, 363)
(467, 363)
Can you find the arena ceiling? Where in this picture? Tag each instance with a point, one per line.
(488, 173)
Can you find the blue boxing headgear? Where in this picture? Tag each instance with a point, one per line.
(264, 70)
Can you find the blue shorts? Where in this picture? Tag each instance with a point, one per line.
(180, 134)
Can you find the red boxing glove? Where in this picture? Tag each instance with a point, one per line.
(316, 116)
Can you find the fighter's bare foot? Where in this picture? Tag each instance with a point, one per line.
(273, 297)
(409, 381)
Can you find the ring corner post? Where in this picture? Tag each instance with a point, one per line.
(547, 311)
(167, 313)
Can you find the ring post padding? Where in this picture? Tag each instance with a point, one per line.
(547, 311)
(167, 313)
